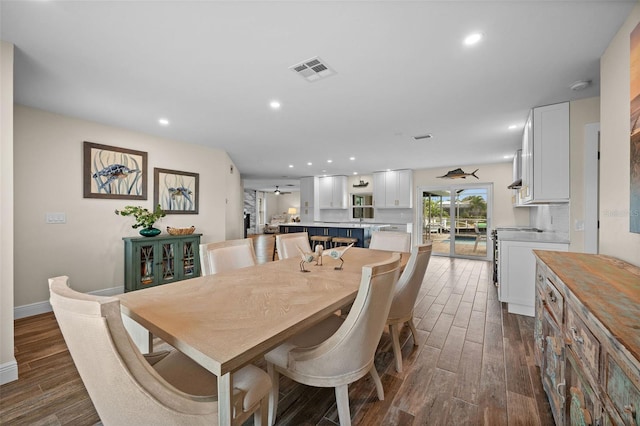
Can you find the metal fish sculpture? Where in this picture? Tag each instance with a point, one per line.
(459, 174)
(113, 172)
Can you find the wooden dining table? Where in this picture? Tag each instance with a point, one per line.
(227, 320)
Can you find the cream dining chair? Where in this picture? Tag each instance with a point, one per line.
(405, 296)
(336, 351)
(287, 244)
(127, 388)
(226, 255)
(390, 241)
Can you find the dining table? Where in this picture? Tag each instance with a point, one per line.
(227, 320)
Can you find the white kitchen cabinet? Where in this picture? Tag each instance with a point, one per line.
(393, 189)
(308, 199)
(545, 155)
(332, 192)
(516, 273)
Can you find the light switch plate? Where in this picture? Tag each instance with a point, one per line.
(56, 218)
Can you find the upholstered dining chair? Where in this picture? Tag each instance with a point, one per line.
(337, 351)
(405, 296)
(127, 388)
(287, 244)
(390, 241)
(227, 255)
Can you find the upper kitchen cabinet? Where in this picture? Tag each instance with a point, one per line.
(545, 155)
(332, 192)
(308, 198)
(393, 189)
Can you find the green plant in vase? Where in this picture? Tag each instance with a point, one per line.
(144, 218)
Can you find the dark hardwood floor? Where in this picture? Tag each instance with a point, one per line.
(474, 365)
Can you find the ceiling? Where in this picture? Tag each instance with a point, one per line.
(400, 70)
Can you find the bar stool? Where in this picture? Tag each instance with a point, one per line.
(325, 240)
(339, 241)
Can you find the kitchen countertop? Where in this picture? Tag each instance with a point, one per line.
(336, 225)
(532, 236)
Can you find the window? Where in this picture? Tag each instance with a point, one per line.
(362, 206)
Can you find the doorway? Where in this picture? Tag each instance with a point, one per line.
(455, 219)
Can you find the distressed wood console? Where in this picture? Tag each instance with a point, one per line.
(587, 337)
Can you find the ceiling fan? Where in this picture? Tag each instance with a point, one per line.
(278, 192)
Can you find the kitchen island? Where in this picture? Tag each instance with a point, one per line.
(360, 231)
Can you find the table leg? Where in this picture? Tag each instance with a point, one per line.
(225, 393)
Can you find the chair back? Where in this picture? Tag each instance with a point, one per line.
(390, 241)
(287, 244)
(123, 386)
(350, 351)
(227, 255)
(410, 281)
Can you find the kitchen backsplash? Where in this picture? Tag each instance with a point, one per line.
(550, 217)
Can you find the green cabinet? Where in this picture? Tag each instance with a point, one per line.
(151, 261)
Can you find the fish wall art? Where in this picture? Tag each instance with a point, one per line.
(114, 172)
(458, 174)
(176, 191)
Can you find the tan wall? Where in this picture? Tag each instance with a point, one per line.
(584, 111)
(615, 238)
(89, 247)
(8, 368)
(500, 174)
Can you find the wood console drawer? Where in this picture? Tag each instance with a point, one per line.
(583, 343)
(553, 298)
(583, 406)
(624, 395)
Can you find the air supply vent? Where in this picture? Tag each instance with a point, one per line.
(312, 69)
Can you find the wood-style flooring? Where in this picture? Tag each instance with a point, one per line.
(474, 365)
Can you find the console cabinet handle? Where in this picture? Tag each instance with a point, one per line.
(576, 336)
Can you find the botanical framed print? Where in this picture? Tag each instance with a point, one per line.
(175, 191)
(114, 172)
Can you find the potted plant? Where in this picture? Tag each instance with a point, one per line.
(144, 219)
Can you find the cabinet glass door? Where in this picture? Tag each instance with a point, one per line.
(167, 263)
(146, 263)
(189, 259)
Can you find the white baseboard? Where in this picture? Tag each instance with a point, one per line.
(44, 307)
(8, 372)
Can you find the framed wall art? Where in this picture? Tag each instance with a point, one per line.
(114, 172)
(634, 109)
(176, 191)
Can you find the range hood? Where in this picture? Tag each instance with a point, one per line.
(517, 170)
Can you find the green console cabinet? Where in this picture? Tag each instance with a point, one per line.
(151, 261)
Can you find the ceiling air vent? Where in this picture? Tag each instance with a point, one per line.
(312, 69)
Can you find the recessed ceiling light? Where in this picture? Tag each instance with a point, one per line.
(352, 158)
(506, 156)
(274, 105)
(355, 173)
(329, 161)
(309, 163)
(291, 166)
(472, 39)
(163, 121)
(324, 171)
(513, 127)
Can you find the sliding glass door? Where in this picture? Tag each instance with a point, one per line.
(455, 219)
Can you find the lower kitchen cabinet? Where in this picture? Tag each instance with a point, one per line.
(151, 261)
(587, 342)
(516, 273)
(363, 235)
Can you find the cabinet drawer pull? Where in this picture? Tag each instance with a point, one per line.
(540, 277)
(561, 394)
(552, 296)
(576, 336)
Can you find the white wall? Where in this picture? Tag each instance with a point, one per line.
(89, 248)
(615, 238)
(582, 112)
(8, 366)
